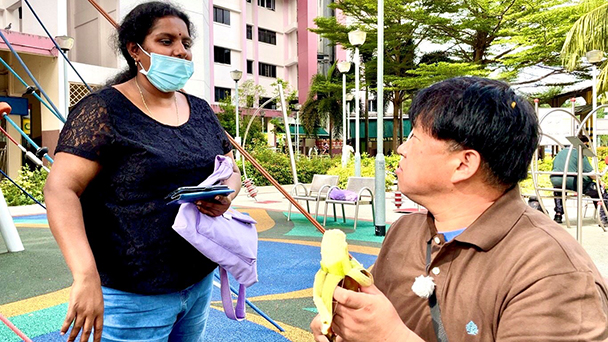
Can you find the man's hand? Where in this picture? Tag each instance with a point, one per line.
(315, 327)
(366, 316)
(215, 207)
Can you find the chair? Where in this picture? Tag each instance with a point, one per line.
(364, 187)
(317, 192)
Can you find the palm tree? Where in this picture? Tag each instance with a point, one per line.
(324, 103)
(589, 32)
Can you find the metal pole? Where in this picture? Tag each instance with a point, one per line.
(380, 195)
(29, 73)
(348, 132)
(288, 135)
(298, 132)
(594, 104)
(8, 229)
(344, 153)
(236, 111)
(357, 103)
(66, 87)
(579, 197)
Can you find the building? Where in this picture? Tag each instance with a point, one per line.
(266, 39)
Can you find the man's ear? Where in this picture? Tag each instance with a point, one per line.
(469, 162)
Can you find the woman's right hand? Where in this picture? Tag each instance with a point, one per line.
(85, 309)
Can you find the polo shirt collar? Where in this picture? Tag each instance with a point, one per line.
(493, 224)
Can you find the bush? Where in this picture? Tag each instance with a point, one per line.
(368, 169)
(30, 181)
(278, 166)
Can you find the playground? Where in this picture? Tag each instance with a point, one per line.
(36, 281)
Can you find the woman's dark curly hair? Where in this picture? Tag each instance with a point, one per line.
(137, 25)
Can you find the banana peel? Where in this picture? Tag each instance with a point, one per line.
(336, 268)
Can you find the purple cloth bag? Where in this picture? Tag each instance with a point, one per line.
(343, 195)
(230, 240)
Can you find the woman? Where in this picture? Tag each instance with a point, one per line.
(122, 150)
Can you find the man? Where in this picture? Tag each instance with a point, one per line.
(503, 271)
(589, 186)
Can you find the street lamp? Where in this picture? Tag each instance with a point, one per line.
(236, 76)
(594, 57)
(297, 107)
(344, 67)
(65, 44)
(357, 38)
(349, 97)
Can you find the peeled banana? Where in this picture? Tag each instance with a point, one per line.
(336, 264)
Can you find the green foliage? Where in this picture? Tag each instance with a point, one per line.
(324, 102)
(589, 32)
(527, 185)
(30, 181)
(227, 119)
(368, 169)
(279, 167)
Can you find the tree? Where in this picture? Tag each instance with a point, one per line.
(477, 37)
(227, 119)
(590, 32)
(324, 103)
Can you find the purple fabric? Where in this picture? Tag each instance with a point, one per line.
(343, 195)
(230, 240)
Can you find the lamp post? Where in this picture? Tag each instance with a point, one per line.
(349, 97)
(297, 108)
(344, 67)
(594, 57)
(379, 220)
(65, 44)
(236, 76)
(357, 38)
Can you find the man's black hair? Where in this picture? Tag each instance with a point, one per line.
(484, 115)
(583, 138)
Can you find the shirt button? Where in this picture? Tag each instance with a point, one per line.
(437, 240)
(435, 270)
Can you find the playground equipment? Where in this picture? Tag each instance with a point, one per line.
(252, 190)
(568, 133)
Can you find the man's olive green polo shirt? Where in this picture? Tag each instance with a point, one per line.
(512, 275)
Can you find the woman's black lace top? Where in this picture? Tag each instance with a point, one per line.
(127, 219)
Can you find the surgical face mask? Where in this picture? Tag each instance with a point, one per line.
(167, 73)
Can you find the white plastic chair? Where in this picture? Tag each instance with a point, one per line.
(364, 187)
(318, 191)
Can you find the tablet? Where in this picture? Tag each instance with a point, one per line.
(204, 193)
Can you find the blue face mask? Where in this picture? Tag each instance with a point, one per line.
(167, 73)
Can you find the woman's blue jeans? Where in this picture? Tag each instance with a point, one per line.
(179, 316)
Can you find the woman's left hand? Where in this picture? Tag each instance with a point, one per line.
(215, 207)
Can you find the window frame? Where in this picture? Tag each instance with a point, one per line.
(225, 18)
(263, 67)
(267, 36)
(218, 91)
(226, 52)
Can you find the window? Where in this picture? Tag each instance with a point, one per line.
(221, 93)
(268, 70)
(267, 3)
(372, 105)
(267, 36)
(271, 105)
(221, 15)
(250, 67)
(221, 55)
(249, 32)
